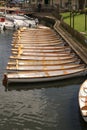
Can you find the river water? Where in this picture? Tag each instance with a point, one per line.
(54, 106)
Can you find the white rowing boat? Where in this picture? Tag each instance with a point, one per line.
(26, 47)
(82, 97)
(37, 41)
(50, 62)
(41, 58)
(53, 36)
(38, 44)
(43, 76)
(42, 54)
(46, 51)
(17, 67)
(49, 37)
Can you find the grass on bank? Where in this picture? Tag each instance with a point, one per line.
(79, 21)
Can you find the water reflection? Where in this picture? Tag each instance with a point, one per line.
(39, 109)
(83, 124)
(26, 86)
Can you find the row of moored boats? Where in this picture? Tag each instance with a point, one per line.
(39, 54)
(14, 21)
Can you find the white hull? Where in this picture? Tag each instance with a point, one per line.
(43, 67)
(29, 79)
(83, 100)
(16, 21)
(21, 20)
(9, 24)
(6, 25)
(13, 62)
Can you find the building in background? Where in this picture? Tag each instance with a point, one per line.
(46, 3)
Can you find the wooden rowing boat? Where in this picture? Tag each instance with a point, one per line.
(27, 47)
(33, 42)
(38, 41)
(37, 47)
(36, 32)
(21, 42)
(42, 54)
(48, 37)
(41, 58)
(43, 76)
(82, 98)
(50, 62)
(31, 37)
(37, 36)
(39, 44)
(43, 68)
(39, 33)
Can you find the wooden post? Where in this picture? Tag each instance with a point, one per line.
(70, 18)
(73, 19)
(85, 21)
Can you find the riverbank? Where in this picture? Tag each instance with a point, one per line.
(77, 46)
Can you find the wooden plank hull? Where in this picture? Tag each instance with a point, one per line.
(26, 47)
(43, 77)
(42, 54)
(64, 50)
(43, 68)
(13, 62)
(40, 58)
(40, 43)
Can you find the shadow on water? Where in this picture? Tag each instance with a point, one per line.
(38, 85)
(83, 124)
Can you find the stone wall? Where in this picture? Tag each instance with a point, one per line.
(80, 37)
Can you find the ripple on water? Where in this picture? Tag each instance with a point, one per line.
(33, 109)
